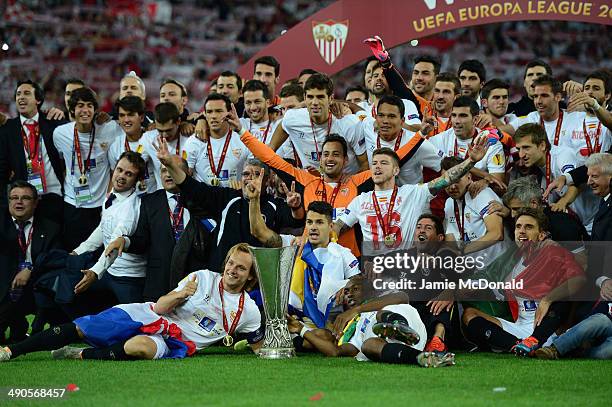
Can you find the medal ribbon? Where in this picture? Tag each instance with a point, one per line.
(211, 160)
(314, 133)
(231, 330)
(587, 138)
(334, 192)
(398, 141)
(460, 221)
(265, 135)
(557, 129)
(384, 225)
(76, 147)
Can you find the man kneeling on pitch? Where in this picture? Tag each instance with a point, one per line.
(205, 308)
(387, 329)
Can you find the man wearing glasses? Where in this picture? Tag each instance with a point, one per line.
(23, 238)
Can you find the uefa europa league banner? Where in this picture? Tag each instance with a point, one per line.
(331, 40)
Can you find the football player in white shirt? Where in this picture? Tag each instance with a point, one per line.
(267, 70)
(167, 121)
(218, 160)
(204, 309)
(291, 97)
(308, 128)
(259, 123)
(380, 88)
(466, 218)
(536, 157)
(472, 74)
(559, 124)
(591, 136)
(123, 277)
(131, 110)
(389, 123)
(455, 142)
(356, 95)
(84, 147)
(388, 215)
(494, 100)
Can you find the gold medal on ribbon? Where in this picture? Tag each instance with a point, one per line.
(228, 341)
(215, 182)
(83, 179)
(389, 240)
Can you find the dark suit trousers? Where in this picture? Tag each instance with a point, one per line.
(78, 224)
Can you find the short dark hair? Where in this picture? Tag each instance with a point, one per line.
(356, 89)
(218, 96)
(537, 62)
(39, 92)
(388, 152)
(258, 163)
(84, 94)
(232, 74)
(174, 82)
(322, 208)
(604, 76)
(466, 101)
(24, 184)
(429, 59)
(131, 104)
(544, 80)
(270, 61)
(166, 112)
(136, 159)
(449, 162)
(473, 65)
(537, 214)
(394, 101)
(320, 81)
(438, 224)
(292, 90)
(307, 71)
(254, 85)
(74, 81)
(452, 78)
(533, 130)
(336, 138)
(493, 84)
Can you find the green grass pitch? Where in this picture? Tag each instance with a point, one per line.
(216, 378)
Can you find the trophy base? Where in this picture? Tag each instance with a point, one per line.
(276, 353)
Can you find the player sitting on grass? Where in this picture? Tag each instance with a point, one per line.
(386, 330)
(205, 308)
(548, 273)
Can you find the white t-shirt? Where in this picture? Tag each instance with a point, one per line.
(571, 121)
(494, 161)
(472, 213)
(176, 146)
(264, 133)
(411, 201)
(93, 194)
(235, 158)
(200, 317)
(412, 171)
(297, 125)
(118, 147)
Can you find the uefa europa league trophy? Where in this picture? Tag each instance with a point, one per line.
(274, 268)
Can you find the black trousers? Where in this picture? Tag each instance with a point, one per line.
(51, 207)
(78, 224)
(430, 320)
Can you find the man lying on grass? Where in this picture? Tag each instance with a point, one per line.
(205, 308)
(387, 329)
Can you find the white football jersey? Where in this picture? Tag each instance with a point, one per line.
(118, 147)
(176, 146)
(571, 121)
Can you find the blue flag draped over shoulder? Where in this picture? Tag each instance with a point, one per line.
(312, 282)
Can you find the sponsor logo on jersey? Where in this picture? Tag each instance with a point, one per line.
(498, 159)
(207, 324)
(530, 305)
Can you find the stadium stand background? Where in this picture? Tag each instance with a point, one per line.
(193, 41)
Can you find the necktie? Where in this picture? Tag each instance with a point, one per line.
(109, 200)
(22, 239)
(31, 125)
(177, 217)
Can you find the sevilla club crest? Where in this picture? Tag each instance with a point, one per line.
(330, 37)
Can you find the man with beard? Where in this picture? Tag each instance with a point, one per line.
(193, 316)
(446, 89)
(547, 274)
(472, 75)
